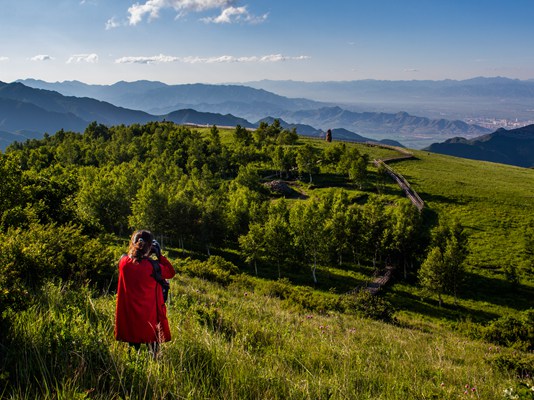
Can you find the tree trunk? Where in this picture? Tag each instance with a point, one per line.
(314, 269)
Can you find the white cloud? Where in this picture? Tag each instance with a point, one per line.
(147, 60)
(78, 58)
(4, 58)
(42, 57)
(235, 14)
(112, 23)
(410, 70)
(208, 60)
(228, 13)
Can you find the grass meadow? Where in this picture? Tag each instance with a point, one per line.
(249, 339)
(238, 342)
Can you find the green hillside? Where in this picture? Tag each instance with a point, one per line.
(269, 300)
(494, 202)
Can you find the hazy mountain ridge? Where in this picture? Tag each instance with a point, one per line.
(370, 122)
(347, 91)
(255, 104)
(514, 147)
(27, 113)
(495, 97)
(160, 98)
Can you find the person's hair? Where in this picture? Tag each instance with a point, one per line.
(140, 245)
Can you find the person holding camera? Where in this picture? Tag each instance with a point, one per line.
(141, 315)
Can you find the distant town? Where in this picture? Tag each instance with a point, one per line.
(496, 123)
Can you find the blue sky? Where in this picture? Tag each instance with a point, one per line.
(219, 41)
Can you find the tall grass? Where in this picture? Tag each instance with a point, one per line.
(234, 343)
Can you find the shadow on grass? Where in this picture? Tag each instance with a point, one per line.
(437, 198)
(497, 291)
(404, 300)
(330, 181)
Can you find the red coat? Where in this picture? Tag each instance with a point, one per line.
(141, 315)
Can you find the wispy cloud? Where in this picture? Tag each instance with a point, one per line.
(146, 60)
(235, 14)
(79, 58)
(112, 23)
(4, 58)
(42, 57)
(410, 70)
(228, 11)
(208, 60)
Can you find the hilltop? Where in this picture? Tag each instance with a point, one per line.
(514, 147)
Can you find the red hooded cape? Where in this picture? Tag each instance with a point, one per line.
(141, 315)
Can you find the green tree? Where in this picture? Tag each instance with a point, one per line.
(443, 269)
(242, 136)
(433, 273)
(406, 231)
(307, 221)
(252, 245)
(307, 160)
(278, 242)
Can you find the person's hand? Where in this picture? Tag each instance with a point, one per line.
(156, 248)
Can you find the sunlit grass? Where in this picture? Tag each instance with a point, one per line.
(233, 343)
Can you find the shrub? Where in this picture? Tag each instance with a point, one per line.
(521, 364)
(512, 330)
(280, 288)
(215, 269)
(50, 252)
(364, 303)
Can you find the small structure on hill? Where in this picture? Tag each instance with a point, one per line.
(328, 136)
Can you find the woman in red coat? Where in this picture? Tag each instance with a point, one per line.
(141, 315)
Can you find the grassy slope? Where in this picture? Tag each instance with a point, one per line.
(234, 343)
(493, 201)
(237, 343)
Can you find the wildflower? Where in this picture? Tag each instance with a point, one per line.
(245, 294)
(442, 384)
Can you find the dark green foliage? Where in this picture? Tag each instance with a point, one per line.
(443, 271)
(215, 269)
(513, 330)
(521, 364)
(49, 252)
(363, 303)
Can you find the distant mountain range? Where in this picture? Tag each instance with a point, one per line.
(495, 97)
(252, 104)
(514, 147)
(27, 113)
(158, 98)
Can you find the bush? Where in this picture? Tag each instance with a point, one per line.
(521, 364)
(214, 269)
(364, 303)
(513, 331)
(281, 288)
(49, 252)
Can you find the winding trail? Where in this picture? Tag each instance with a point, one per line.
(381, 280)
(397, 177)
